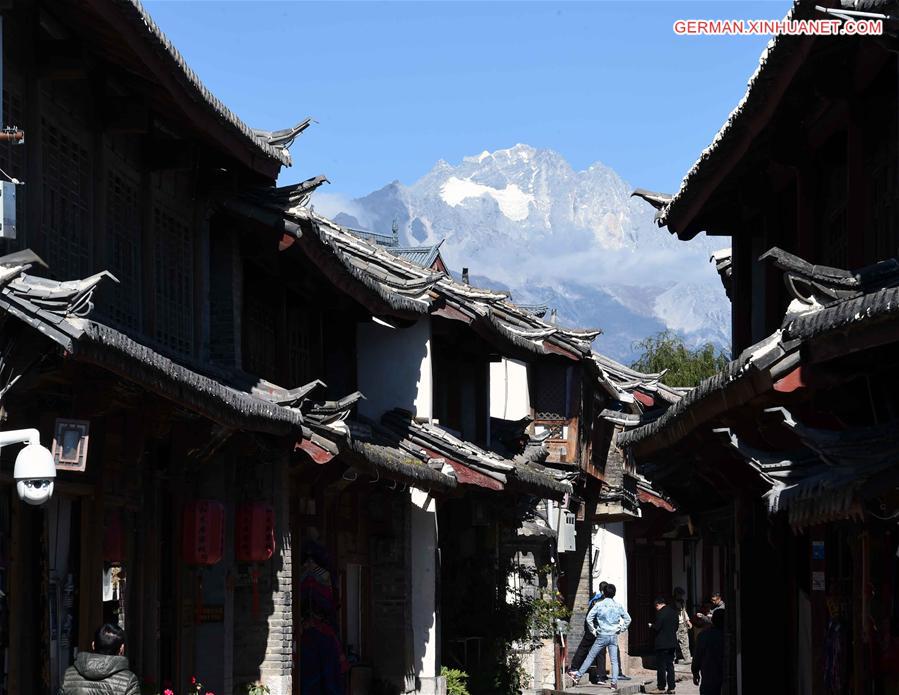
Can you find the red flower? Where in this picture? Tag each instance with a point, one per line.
(193, 680)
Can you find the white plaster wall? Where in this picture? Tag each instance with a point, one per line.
(510, 398)
(424, 584)
(394, 368)
(611, 559)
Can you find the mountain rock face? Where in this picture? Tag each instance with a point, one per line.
(524, 220)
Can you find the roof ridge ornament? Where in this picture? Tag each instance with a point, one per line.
(814, 287)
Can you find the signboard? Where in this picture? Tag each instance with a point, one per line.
(817, 550)
(214, 613)
(818, 582)
(70, 441)
(7, 210)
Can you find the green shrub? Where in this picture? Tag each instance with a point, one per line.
(456, 681)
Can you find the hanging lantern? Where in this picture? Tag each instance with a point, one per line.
(203, 532)
(255, 533)
(114, 539)
(254, 539)
(202, 541)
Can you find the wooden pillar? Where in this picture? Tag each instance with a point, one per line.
(90, 588)
(18, 609)
(860, 589)
(737, 591)
(231, 568)
(150, 571)
(818, 566)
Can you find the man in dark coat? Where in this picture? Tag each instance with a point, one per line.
(104, 670)
(708, 659)
(665, 629)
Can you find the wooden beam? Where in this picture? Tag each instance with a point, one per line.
(128, 115)
(62, 60)
(200, 115)
(774, 93)
(169, 154)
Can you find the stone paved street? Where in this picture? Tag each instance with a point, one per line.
(642, 682)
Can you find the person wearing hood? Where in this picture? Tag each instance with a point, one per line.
(104, 670)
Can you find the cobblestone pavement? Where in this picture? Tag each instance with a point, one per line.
(641, 682)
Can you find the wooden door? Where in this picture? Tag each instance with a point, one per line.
(649, 575)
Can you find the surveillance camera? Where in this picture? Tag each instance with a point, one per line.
(34, 472)
(35, 491)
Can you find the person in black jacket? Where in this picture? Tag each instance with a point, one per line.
(665, 628)
(708, 661)
(103, 671)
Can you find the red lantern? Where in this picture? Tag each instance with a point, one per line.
(254, 539)
(255, 532)
(114, 539)
(203, 532)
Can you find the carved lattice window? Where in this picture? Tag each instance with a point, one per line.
(300, 327)
(65, 221)
(260, 324)
(832, 199)
(551, 392)
(836, 238)
(884, 200)
(122, 248)
(174, 282)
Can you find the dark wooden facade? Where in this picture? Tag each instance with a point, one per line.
(806, 165)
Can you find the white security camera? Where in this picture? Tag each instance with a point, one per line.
(34, 474)
(35, 468)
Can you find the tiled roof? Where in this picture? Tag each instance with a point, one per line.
(760, 97)
(270, 144)
(60, 310)
(762, 364)
(420, 255)
(426, 455)
(408, 288)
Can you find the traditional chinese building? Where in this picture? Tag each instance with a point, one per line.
(787, 457)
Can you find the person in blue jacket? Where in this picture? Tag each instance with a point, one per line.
(588, 639)
(606, 620)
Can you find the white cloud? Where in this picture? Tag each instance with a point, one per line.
(330, 204)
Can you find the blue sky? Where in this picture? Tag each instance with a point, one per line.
(395, 86)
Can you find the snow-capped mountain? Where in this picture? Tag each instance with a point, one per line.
(524, 219)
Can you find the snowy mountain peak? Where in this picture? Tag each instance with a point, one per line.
(512, 201)
(526, 219)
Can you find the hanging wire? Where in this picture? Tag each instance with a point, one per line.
(12, 179)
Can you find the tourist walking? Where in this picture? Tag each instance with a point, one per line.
(665, 644)
(683, 624)
(588, 639)
(606, 620)
(708, 660)
(104, 670)
(717, 605)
